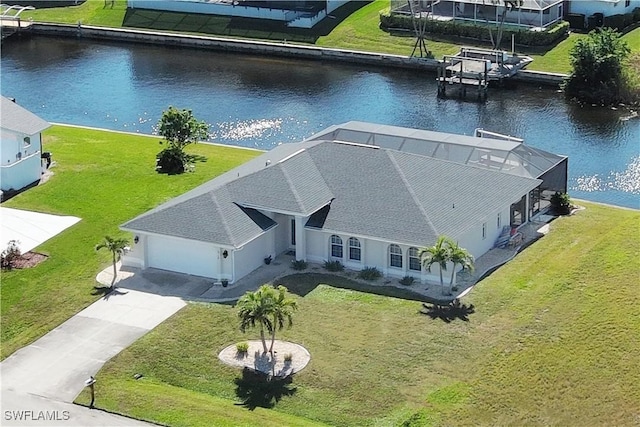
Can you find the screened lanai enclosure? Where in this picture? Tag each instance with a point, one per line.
(537, 14)
(487, 150)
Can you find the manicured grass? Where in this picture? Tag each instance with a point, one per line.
(105, 178)
(91, 12)
(553, 341)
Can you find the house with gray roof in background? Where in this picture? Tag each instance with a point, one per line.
(21, 146)
(363, 194)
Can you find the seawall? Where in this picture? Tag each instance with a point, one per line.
(281, 49)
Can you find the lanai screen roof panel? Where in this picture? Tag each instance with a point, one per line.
(509, 155)
(527, 4)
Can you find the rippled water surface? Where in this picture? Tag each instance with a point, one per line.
(260, 102)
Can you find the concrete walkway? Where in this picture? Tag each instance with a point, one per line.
(196, 288)
(50, 373)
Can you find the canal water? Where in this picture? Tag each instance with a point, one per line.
(260, 102)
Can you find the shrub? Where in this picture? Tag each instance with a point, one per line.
(10, 254)
(553, 34)
(598, 63)
(171, 161)
(242, 347)
(561, 203)
(370, 273)
(288, 357)
(333, 266)
(299, 264)
(407, 280)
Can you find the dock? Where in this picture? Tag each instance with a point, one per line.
(10, 22)
(463, 76)
(472, 69)
(502, 64)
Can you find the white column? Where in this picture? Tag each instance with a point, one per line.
(301, 239)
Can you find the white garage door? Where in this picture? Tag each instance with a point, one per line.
(191, 257)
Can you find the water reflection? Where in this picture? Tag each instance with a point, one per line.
(259, 102)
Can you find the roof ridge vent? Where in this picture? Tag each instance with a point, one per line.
(481, 133)
(292, 155)
(358, 144)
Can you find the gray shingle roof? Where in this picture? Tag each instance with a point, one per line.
(209, 217)
(293, 185)
(361, 190)
(18, 119)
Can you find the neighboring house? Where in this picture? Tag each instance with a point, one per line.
(367, 195)
(532, 13)
(295, 13)
(606, 7)
(21, 148)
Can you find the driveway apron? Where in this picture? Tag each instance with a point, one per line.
(56, 366)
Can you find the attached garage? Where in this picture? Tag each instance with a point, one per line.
(183, 256)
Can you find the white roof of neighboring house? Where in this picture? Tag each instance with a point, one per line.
(18, 119)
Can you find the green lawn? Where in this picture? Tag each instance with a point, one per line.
(105, 178)
(553, 341)
(355, 28)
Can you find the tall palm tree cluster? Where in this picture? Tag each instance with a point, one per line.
(446, 251)
(269, 309)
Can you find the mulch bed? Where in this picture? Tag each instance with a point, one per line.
(28, 260)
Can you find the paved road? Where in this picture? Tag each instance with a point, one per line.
(50, 373)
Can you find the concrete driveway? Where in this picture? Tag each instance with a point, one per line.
(56, 366)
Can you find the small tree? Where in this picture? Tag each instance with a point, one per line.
(117, 248)
(436, 254)
(10, 254)
(282, 312)
(560, 203)
(255, 309)
(268, 308)
(179, 128)
(459, 256)
(598, 63)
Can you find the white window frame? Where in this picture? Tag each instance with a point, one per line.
(393, 254)
(355, 245)
(336, 242)
(414, 257)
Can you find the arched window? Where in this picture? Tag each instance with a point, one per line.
(395, 256)
(27, 141)
(414, 259)
(336, 246)
(355, 253)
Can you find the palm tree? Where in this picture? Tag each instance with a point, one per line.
(459, 256)
(508, 6)
(437, 254)
(283, 309)
(117, 248)
(255, 308)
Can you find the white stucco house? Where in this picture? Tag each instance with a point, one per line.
(606, 7)
(295, 13)
(21, 146)
(367, 195)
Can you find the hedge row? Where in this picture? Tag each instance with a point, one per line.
(390, 22)
(622, 21)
